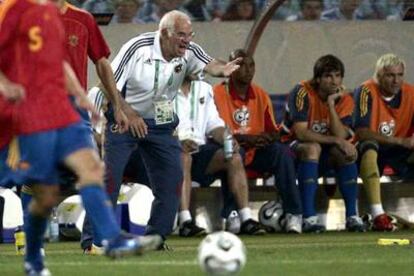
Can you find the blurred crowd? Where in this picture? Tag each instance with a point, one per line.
(149, 11)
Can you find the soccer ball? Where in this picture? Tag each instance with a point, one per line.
(221, 253)
(270, 215)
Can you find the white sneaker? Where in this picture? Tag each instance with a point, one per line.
(233, 223)
(293, 223)
(311, 225)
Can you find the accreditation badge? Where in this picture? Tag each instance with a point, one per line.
(164, 112)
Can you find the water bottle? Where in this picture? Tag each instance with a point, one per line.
(228, 143)
(19, 240)
(54, 227)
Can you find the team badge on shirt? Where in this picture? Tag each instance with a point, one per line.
(241, 116)
(387, 128)
(202, 100)
(148, 61)
(73, 40)
(178, 68)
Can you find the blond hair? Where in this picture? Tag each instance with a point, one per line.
(387, 60)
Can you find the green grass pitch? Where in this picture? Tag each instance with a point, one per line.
(333, 253)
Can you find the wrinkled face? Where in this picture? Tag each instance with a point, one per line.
(180, 38)
(329, 83)
(391, 79)
(127, 10)
(246, 71)
(312, 10)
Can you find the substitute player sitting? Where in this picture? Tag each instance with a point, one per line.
(201, 132)
(319, 118)
(384, 115)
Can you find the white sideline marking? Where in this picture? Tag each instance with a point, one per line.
(194, 263)
(136, 262)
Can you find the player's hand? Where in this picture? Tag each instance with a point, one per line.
(347, 148)
(83, 102)
(334, 97)
(246, 140)
(137, 125)
(13, 92)
(236, 146)
(189, 146)
(121, 120)
(231, 66)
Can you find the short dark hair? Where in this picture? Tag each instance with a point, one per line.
(238, 53)
(325, 64)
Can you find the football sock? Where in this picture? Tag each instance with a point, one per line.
(100, 212)
(308, 184)
(370, 176)
(347, 181)
(376, 210)
(34, 229)
(184, 216)
(245, 214)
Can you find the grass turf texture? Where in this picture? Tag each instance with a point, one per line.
(333, 253)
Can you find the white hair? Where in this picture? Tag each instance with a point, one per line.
(169, 19)
(387, 60)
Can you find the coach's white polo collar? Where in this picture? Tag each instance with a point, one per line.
(157, 54)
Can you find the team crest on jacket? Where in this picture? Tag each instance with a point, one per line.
(241, 116)
(387, 128)
(178, 68)
(73, 40)
(202, 100)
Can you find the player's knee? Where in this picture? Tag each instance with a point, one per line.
(93, 172)
(43, 203)
(368, 145)
(310, 151)
(340, 158)
(237, 161)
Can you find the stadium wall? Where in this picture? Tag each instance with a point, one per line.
(287, 51)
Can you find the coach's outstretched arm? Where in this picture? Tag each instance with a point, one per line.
(218, 68)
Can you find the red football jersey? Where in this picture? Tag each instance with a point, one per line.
(83, 39)
(6, 108)
(36, 34)
(6, 130)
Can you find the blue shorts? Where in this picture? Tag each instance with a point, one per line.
(43, 152)
(201, 160)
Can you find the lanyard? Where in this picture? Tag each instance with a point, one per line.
(157, 76)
